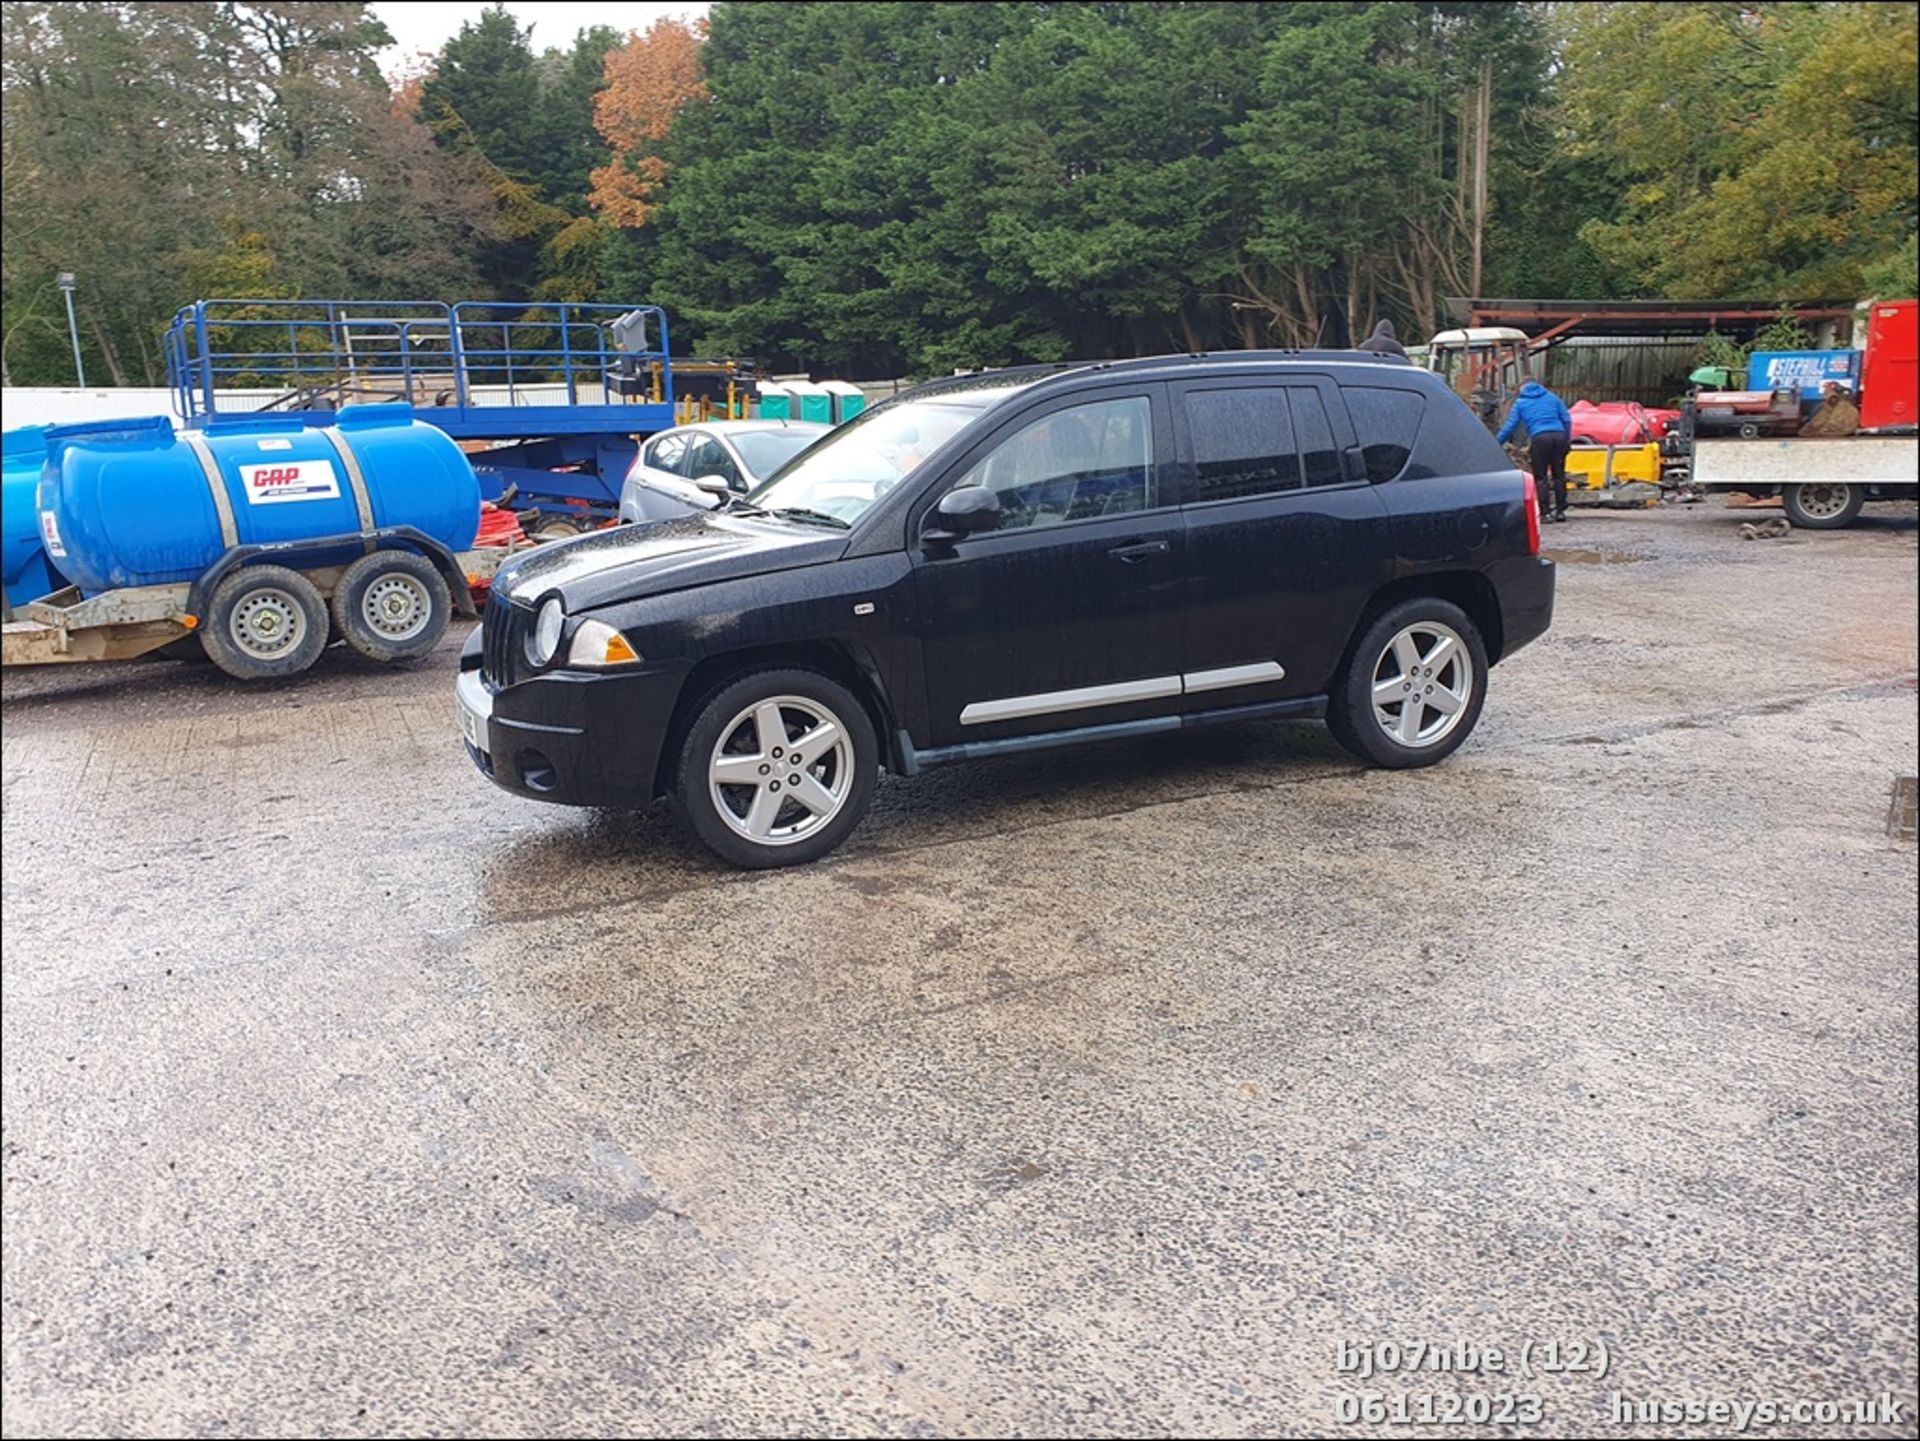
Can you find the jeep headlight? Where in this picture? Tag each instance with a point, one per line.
(597, 645)
(544, 639)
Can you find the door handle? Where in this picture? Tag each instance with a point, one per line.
(1134, 554)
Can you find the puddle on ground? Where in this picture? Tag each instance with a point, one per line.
(1574, 555)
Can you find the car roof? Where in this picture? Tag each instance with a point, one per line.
(747, 427)
(1479, 335)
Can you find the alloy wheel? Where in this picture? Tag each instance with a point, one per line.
(1422, 684)
(782, 769)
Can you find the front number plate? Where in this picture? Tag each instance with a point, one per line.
(474, 705)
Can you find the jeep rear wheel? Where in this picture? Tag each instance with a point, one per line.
(1413, 687)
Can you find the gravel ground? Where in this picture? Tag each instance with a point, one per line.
(1096, 1092)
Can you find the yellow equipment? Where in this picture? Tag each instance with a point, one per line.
(1614, 475)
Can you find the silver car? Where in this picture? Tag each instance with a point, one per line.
(696, 467)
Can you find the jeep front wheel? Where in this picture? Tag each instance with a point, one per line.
(777, 768)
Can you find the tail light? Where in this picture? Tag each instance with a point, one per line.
(1533, 515)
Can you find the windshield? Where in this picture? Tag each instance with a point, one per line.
(843, 475)
(765, 451)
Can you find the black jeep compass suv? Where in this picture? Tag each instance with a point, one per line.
(1017, 559)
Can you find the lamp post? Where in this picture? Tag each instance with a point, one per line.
(65, 281)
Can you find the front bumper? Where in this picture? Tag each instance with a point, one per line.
(1524, 585)
(580, 738)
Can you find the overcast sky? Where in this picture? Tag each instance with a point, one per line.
(427, 24)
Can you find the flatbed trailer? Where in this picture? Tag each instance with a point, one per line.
(1822, 483)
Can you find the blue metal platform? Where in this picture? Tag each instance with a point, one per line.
(567, 389)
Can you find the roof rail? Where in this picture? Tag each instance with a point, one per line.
(1040, 374)
(1234, 357)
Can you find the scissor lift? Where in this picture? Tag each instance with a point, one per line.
(549, 400)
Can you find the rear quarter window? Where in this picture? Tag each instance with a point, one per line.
(1387, 422)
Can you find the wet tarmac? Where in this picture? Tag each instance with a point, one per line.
(1091, 1092)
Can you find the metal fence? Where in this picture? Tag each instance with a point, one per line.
(1653, 372)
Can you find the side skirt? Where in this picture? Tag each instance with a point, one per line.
(913, 761)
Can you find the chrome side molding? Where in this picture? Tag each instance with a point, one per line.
(984, 712)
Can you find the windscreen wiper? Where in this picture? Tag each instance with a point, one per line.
(812, 517)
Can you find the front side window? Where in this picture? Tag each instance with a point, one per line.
(708, 456)
(1079, 463)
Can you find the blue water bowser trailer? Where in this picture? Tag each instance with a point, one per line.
(256, 537)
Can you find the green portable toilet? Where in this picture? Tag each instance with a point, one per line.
(848, 399)
(776, 403)
(814, 402)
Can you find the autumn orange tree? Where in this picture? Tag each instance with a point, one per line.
(648, 80)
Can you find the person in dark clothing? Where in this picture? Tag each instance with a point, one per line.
(1383, 342)
(1549, 432)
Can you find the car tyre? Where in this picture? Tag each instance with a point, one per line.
(1423, 655)
(264, 622)
(550, 529)
(739, 787)
(392, 605)
(1825, 506)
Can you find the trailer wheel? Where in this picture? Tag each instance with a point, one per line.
(1823, 506)
(264, 622)
(1749, 430)
(392, 605)
(552, 528)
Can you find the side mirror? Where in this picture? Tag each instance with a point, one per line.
(714, 485)
(966, 511)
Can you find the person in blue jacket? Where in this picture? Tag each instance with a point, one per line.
(1549, 432)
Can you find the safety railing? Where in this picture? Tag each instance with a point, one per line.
(472, 356)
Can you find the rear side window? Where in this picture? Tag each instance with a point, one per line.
(668, 453)
(1319, 457)
(1388, 422)
(1242, 443)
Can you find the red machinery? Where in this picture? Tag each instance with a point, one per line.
(1748, 413)
(1619, 422)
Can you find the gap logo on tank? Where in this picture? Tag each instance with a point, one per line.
(284, 480)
